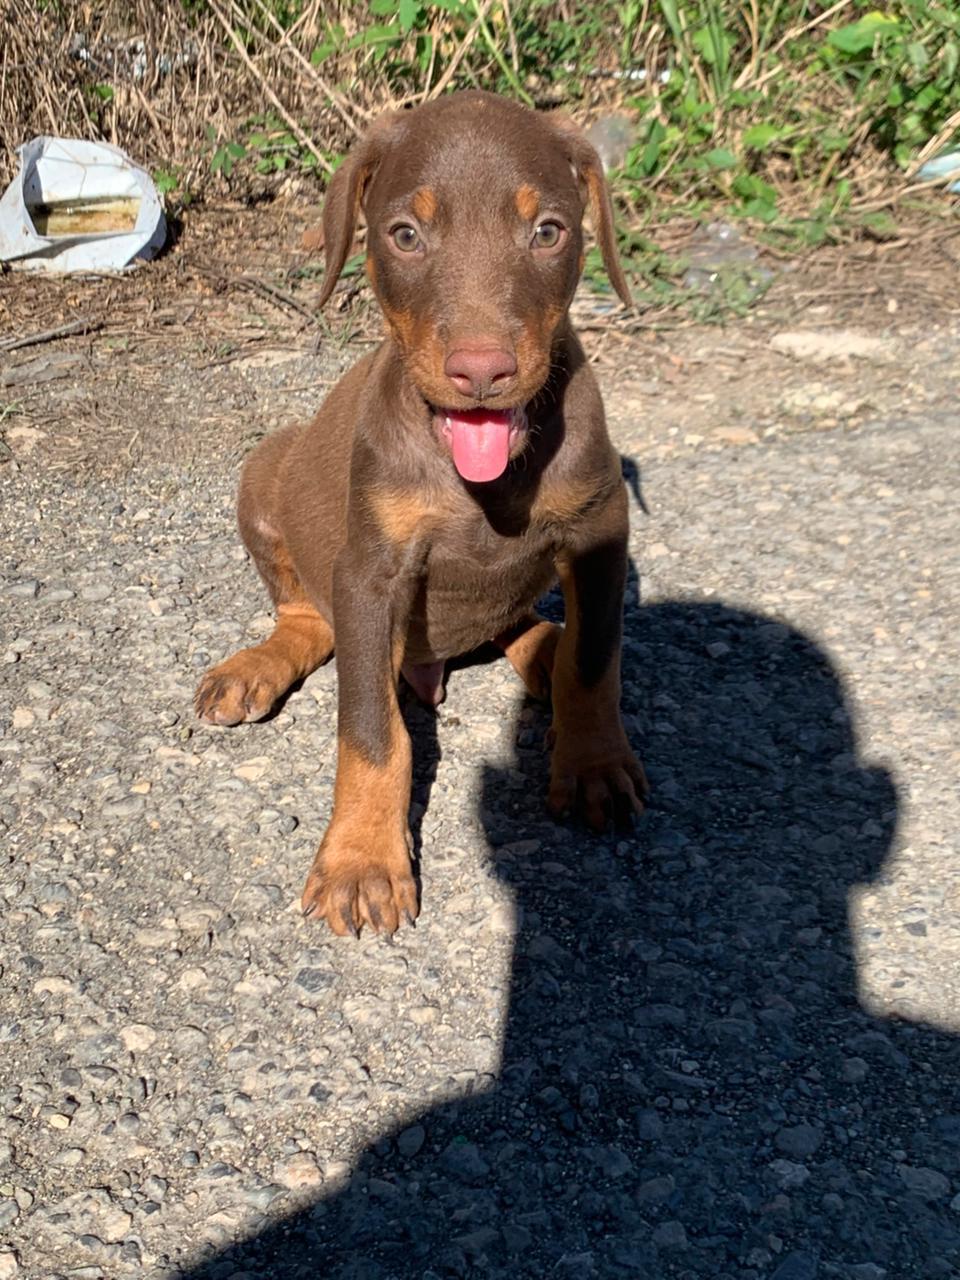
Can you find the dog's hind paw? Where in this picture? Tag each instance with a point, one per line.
(599, 778)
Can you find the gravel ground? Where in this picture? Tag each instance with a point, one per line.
(725, 1047)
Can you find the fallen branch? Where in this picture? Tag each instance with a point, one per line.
(48, 335)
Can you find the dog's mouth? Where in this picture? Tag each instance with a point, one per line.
(481, 440)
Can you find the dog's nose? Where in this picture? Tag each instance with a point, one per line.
(476, 371)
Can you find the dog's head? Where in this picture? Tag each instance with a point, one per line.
(474, 207)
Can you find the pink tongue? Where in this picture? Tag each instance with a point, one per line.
(481, 442)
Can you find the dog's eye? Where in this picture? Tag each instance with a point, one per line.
(548, 235)
(406, 238)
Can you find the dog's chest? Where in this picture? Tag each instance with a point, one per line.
(476, 586)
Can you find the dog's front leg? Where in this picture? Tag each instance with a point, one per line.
(362, 874)
(593, 768)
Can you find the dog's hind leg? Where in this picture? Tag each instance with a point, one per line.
(530, 647)
(249, 684)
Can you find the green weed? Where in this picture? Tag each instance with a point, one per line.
(794, 117)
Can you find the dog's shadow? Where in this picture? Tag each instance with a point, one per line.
(689, 1083)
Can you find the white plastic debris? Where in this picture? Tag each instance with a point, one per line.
(941, 168)
(78, 206)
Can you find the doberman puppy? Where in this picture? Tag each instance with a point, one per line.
(449, 479)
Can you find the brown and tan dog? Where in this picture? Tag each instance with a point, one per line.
(449, 478)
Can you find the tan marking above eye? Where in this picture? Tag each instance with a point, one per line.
(528, 202)
(424, 204)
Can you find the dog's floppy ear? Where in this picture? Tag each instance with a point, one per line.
(589, 170)
(341, 209)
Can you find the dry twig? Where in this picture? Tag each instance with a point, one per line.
(295, 129)
(49, 335)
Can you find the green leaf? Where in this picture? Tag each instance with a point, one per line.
(165, 181)
(749, 187)
(760, 209)
(860, 36)
(374, 35)
(951, 58)
(104, 92)
(354, 265)
(881, 225)
(917, 55)
(650, 157)
(409, 12)
(222, 162)
(424, 53)
(713, 44)
(831, 142)
(720, 158)
(760, 136)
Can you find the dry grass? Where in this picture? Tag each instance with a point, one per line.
(161, 80)
(173, 78)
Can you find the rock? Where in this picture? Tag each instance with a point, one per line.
(9, 1264)
(799, 1140)
(138, 1037)
(517, 1239)
(611, 1161)
(94, 1213)
(796, 1266)
(927, 1184)
(299, 1172)
(659, 1015)
(840, 344)
(314, 981)
(476, 1242)
(262, 1197)
(649, 1126)
(656, 1190)
(737, 435)
(464, 1162)
(854, 1070)
(788, 1175)
(129, 806)
(670, 1235)
(411, 1140)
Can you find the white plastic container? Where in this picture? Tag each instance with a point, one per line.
(78, 206)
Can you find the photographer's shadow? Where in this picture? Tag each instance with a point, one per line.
(688, 1078)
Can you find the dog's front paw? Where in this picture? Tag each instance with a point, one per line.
(353, 883)
(245, 687)
(598, 777)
